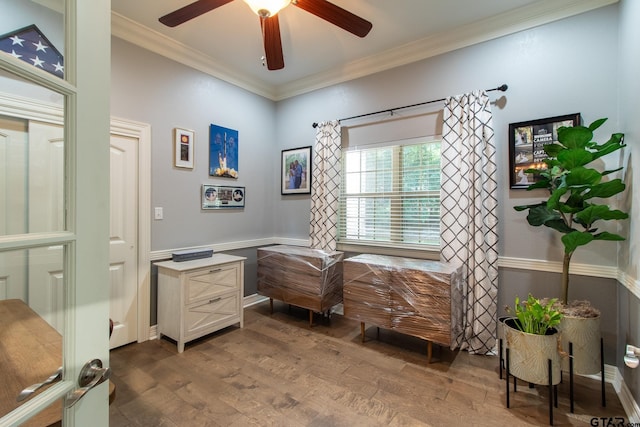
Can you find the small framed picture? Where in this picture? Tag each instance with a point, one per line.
(222, 197)
(295, 172)
(183, 148)
(526, 146)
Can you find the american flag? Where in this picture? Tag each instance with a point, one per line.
(31, 46)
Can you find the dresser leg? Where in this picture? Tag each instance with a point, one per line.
(429, 351)
(271, 304)
(310, 317)
(362, 331)
(180, 347)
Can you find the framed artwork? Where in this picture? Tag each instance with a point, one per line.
(526, 146)
(223, 152)
(295, 171)
(183, 148)
(222, 197)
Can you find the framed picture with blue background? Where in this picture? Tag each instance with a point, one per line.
(223, 152)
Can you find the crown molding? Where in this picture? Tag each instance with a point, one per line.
(133, 32)
(481, 31)
(520, 19)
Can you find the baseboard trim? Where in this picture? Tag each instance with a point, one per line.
(153, 332)
(254, 299)
(627, 400)
(613, 376)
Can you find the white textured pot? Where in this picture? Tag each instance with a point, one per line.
(584, 334)
(529, 355)
(501, 335)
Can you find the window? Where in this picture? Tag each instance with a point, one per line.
(390, 196)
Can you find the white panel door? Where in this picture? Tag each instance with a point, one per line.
(13, 133)
(46, 212)
(124, 240)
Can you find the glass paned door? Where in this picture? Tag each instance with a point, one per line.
(54, 197)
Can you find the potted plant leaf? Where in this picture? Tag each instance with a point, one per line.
(532, 339)
(573, 206)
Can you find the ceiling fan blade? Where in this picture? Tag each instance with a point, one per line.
(191, 11)
(272, 42)
(336, 15)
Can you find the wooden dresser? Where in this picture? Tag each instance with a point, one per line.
(411, 296)
(198, 297)
(304, 277)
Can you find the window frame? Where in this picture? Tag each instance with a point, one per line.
(395, 246)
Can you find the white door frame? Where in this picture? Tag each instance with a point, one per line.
(28, 109)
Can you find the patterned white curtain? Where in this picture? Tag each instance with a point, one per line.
(325, 186)
(468, 210)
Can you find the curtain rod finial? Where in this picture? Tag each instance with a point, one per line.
(503, 88)
(315, 125)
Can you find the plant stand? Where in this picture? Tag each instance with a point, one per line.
(532, 358)
(501, 338)
(553, 389)
(502, 350)
(571, 372)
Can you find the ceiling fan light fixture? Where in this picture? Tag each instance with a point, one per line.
(267, 8)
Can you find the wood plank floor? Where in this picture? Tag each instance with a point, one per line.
(279, 371)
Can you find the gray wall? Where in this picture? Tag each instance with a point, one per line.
(152, 89)
(559, 68)
(537, 64)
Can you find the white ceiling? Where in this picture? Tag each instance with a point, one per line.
(227, 43)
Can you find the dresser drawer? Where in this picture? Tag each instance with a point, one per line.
(210, 282)
(205, 315)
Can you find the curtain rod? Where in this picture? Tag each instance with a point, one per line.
(501, 88)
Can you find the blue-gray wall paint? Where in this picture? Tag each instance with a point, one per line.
(547, 76)
(152, 89)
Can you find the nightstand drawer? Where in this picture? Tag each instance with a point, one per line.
(206, 314)
(210, 282)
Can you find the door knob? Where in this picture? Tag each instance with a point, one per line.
(57, 375)
(91, 374)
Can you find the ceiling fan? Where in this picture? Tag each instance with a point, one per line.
(268, 10)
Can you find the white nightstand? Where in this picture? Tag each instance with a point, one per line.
(198, 297)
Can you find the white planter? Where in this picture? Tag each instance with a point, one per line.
(584, 334)
(529, 355)
(501, 335)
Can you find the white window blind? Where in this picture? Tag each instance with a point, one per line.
(390, 196)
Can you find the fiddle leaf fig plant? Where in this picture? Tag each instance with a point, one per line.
(575, 191)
